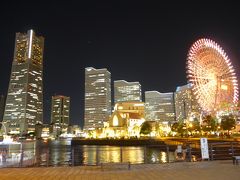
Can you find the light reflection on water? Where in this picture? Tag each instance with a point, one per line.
(60, 152)
(91, 155)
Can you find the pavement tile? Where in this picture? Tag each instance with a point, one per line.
(220, 170)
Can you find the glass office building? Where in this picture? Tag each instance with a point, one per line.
(97, 98)
(24, 103)
(127, 91)
(159, 106)
(60, 111)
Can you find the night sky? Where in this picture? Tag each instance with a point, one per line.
(134, 40)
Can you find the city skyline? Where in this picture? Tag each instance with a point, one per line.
(136, 42)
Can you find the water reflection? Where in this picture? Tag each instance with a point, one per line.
(92, 155)
(59, 153)
(133, 154)
(54, 153)
(163, 157)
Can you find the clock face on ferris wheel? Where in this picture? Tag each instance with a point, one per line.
(212, 75)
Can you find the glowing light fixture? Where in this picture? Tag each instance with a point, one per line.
(30, 44)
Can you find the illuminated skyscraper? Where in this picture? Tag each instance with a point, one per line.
(60, 112)
(127, 91)
(24, 104)
(159, 106)
(185, 102)
(2, 106)
(97, 97)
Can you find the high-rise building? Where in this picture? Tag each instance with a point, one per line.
(24, 104)
(60, 112)
(97, 97)
(2, 106)
(185, 103)
(159, 106)
(127, 91)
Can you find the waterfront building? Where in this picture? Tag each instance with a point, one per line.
(186, 104)
(46, 130)
(60, 113)
(127, 91)
(160, 107)
(75, 130)
(97, 108)
(126, 120)
(24, 103)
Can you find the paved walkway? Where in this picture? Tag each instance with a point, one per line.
(220, 170)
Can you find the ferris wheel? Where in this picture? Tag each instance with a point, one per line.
(212, 75)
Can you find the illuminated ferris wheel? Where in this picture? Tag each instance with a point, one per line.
(212, 75)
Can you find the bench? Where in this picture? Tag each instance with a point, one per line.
(235, 159)
(116, 164)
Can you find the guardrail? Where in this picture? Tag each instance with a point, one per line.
(224, 150)
(95, 155)
(17, 158)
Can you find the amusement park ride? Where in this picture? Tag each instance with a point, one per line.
(212, 76)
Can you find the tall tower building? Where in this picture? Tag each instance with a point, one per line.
(97, 97)
(185, 102)
(24, 104)
(60, 112)
(127, 91)
(2, 106)
(159, 106)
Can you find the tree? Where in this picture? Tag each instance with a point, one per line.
(146, 128)
(194, 126)
(174, 127)
(228, 122)
(209, 123)
(179, 127)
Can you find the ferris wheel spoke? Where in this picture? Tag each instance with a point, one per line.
(205, 88)
(197, 65)
(227, 74)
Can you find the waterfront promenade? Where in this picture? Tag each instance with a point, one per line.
(220, 170)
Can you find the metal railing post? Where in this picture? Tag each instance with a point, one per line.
(47, 157)
(121, 155)
(21, 157)
(97, 152)
(189, 153)
(211, 149)
(72, 154)
(232, 150)
(167, 147)
(145, 154)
